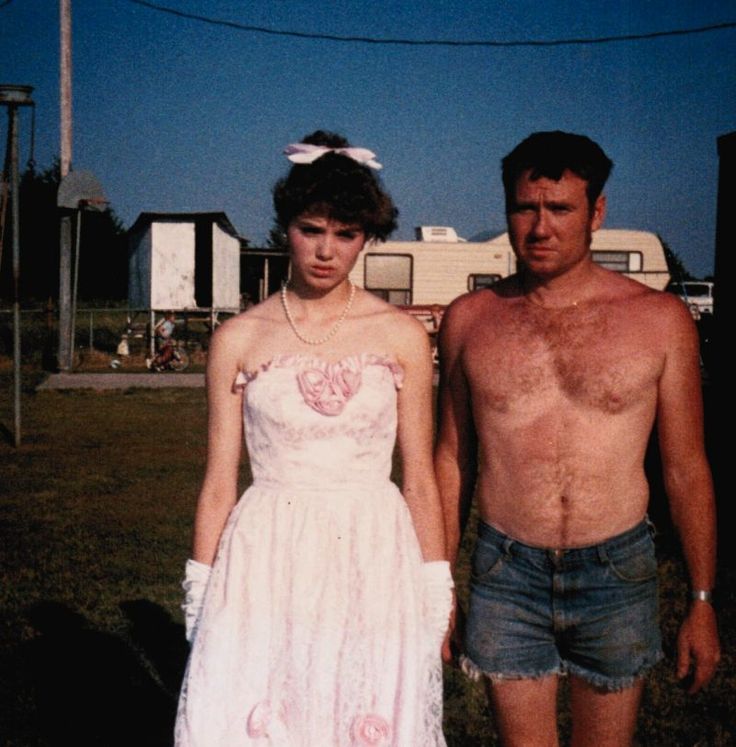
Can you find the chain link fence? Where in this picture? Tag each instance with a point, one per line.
(104, 335)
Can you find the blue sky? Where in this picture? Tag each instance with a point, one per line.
(173, 114)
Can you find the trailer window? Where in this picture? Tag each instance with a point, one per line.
(618, 261)
(389, 276)
(480, 280)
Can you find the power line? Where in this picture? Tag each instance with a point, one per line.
(432, 42)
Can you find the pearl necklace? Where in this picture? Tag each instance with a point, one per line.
(336, 326)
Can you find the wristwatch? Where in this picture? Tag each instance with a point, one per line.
(701, 595)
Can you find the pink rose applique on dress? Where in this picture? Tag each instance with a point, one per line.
(327, 388)
(269, 724)
(370, 730)
(258, 720)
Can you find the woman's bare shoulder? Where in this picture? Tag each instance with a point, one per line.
(375, 326)
(388, 317)
(243, 331)
(404, 336)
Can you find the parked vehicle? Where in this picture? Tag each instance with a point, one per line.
(697, 294)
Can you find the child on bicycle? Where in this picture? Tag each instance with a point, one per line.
(164, 332)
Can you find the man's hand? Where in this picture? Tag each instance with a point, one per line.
(698, 650)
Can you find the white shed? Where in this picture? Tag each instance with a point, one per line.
(183, 261)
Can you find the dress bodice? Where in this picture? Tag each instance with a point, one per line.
(321, 424)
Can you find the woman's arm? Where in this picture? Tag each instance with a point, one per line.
(415, 440)
(224, 443)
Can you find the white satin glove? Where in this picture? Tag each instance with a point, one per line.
(196, 576)
(437, 586)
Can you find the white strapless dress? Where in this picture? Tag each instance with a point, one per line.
(313, 631)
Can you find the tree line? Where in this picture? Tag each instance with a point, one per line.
(103, 266)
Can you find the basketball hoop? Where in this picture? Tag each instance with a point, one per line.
(79, 190)
(94, 203)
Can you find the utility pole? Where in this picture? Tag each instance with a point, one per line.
(14, 96)
(65, 84)
(66, 344)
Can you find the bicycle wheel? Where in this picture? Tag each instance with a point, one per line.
(180, 361)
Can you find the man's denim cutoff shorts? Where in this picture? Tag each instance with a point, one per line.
(590, 611)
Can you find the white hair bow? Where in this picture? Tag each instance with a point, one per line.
(307, 153)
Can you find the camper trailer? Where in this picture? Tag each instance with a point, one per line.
(637, 254)
(435, 269)
(440, 266)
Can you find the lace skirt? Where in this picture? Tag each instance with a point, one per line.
(313, 631)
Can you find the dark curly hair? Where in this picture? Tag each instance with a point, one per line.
(549, 154)
(336, 187)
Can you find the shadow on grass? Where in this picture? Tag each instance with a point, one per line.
(160, 639)
(6, 435)
(92, 687)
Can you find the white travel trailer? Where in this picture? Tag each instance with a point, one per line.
(440, 266)
(436, 269)
(184, 261)
(637, 254)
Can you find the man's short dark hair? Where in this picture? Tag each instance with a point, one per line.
(549, 154)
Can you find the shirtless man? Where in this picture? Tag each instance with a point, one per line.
(550, 384)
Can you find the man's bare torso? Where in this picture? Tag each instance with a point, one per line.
(563, 402)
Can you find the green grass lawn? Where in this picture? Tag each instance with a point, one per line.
(95, 515)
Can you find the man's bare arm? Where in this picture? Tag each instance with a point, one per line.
(455, 456)
(690, 489)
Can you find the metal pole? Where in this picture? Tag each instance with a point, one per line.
(64, 357)
(14, 96)
(4, 196)
(13, 124)
(75, 288)
(65, 273)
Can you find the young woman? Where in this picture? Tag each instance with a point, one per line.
(318, 602)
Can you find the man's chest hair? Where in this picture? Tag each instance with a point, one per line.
(588, 356)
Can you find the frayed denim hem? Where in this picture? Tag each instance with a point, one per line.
(471, 670)
(599, 681)
(612, 684)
